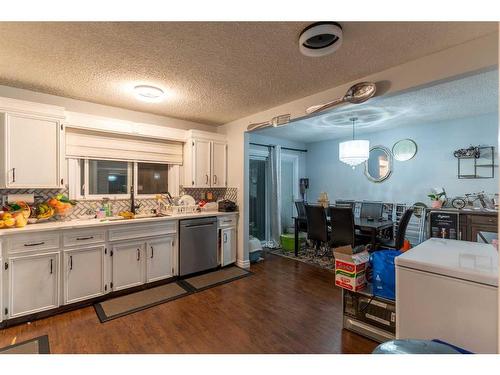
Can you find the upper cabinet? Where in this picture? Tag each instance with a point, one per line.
(205, 160)
(31, 143)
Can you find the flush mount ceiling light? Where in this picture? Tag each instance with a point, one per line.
(320, 39)
(354, 152)
(149, 93)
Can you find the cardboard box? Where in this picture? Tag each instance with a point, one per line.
(350, 269)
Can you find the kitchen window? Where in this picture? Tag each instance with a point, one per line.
(108, 177)
(152, 178)
(96, 179)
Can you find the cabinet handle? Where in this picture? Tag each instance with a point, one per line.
(13, 174)
(206, 180)
(225, 237)
(84, 238)
(71, 262)
(172, 243)
(138, 254)
(34, 244)
(215, 179)
(152, 252)
(51, 266)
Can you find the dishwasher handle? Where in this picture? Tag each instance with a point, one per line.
(199, 225)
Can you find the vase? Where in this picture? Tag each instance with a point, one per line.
(436, 204)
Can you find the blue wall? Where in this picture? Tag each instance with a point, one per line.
(411, 181)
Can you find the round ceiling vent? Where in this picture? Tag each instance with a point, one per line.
(320, 39)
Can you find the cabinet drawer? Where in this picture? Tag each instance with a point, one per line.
(83, 237)
(33, 242)
(132, 231)
(227, 221)
(483, 219)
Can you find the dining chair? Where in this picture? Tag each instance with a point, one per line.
(300, 205)
(342, 223)
(398, 241)
(317, 228)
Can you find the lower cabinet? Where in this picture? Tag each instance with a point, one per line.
(2, 313)
(128, 265)
(228, 246)
(33, 283)
(84, 275)
(160, 258)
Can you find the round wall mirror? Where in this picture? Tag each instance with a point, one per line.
(404, 149)
(378, 167)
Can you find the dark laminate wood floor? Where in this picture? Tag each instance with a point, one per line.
(285, 307)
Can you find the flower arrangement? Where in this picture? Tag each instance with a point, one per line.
(438, 197)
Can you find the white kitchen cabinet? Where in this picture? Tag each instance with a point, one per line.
(219, 164)
(160, 254)
(1, 288)
(201, 152)
(128, 268)
(205, 160)
(228, 246)
(33, 283)
(32, 156)
(84, 275)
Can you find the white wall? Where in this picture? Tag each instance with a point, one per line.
(433, 166)
(101, 110)
(472, 56)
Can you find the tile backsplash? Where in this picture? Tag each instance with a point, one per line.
(87, 207)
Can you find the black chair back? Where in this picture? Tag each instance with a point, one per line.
(342, 222)
(301, 209)
(317, 228)
(371, 209)
(403, 224)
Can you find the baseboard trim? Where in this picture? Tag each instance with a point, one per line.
(243, 263)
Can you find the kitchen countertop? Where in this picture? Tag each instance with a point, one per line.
(86, 223)
(471, 261)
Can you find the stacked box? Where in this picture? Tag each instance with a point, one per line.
(350, 269)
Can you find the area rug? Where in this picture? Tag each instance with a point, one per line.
(209, 280)
(120, 306)
(38, 345)
(307, 255)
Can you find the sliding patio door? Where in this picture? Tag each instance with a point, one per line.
(258, 173)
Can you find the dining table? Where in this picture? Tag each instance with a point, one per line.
(371, 226)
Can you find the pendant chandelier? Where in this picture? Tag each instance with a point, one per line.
(354, 152)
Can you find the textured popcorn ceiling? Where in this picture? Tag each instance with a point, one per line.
(459, 98)
(214, 72)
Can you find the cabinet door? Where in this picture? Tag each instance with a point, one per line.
(84, 273)
(32, 152)
(228, 246)
(33, 283)
(219, 164)
(160, 254)
(1, 290)
(128, 265)
(201, 166)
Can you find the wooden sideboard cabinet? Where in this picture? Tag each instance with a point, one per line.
(478, 227)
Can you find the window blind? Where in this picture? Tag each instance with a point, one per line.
(82, 143)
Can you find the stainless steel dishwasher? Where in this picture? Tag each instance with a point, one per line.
(197, 245)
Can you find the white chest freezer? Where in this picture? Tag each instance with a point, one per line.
(447, 290)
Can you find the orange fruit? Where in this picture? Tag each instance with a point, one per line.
(6, 215)
(53, 202)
